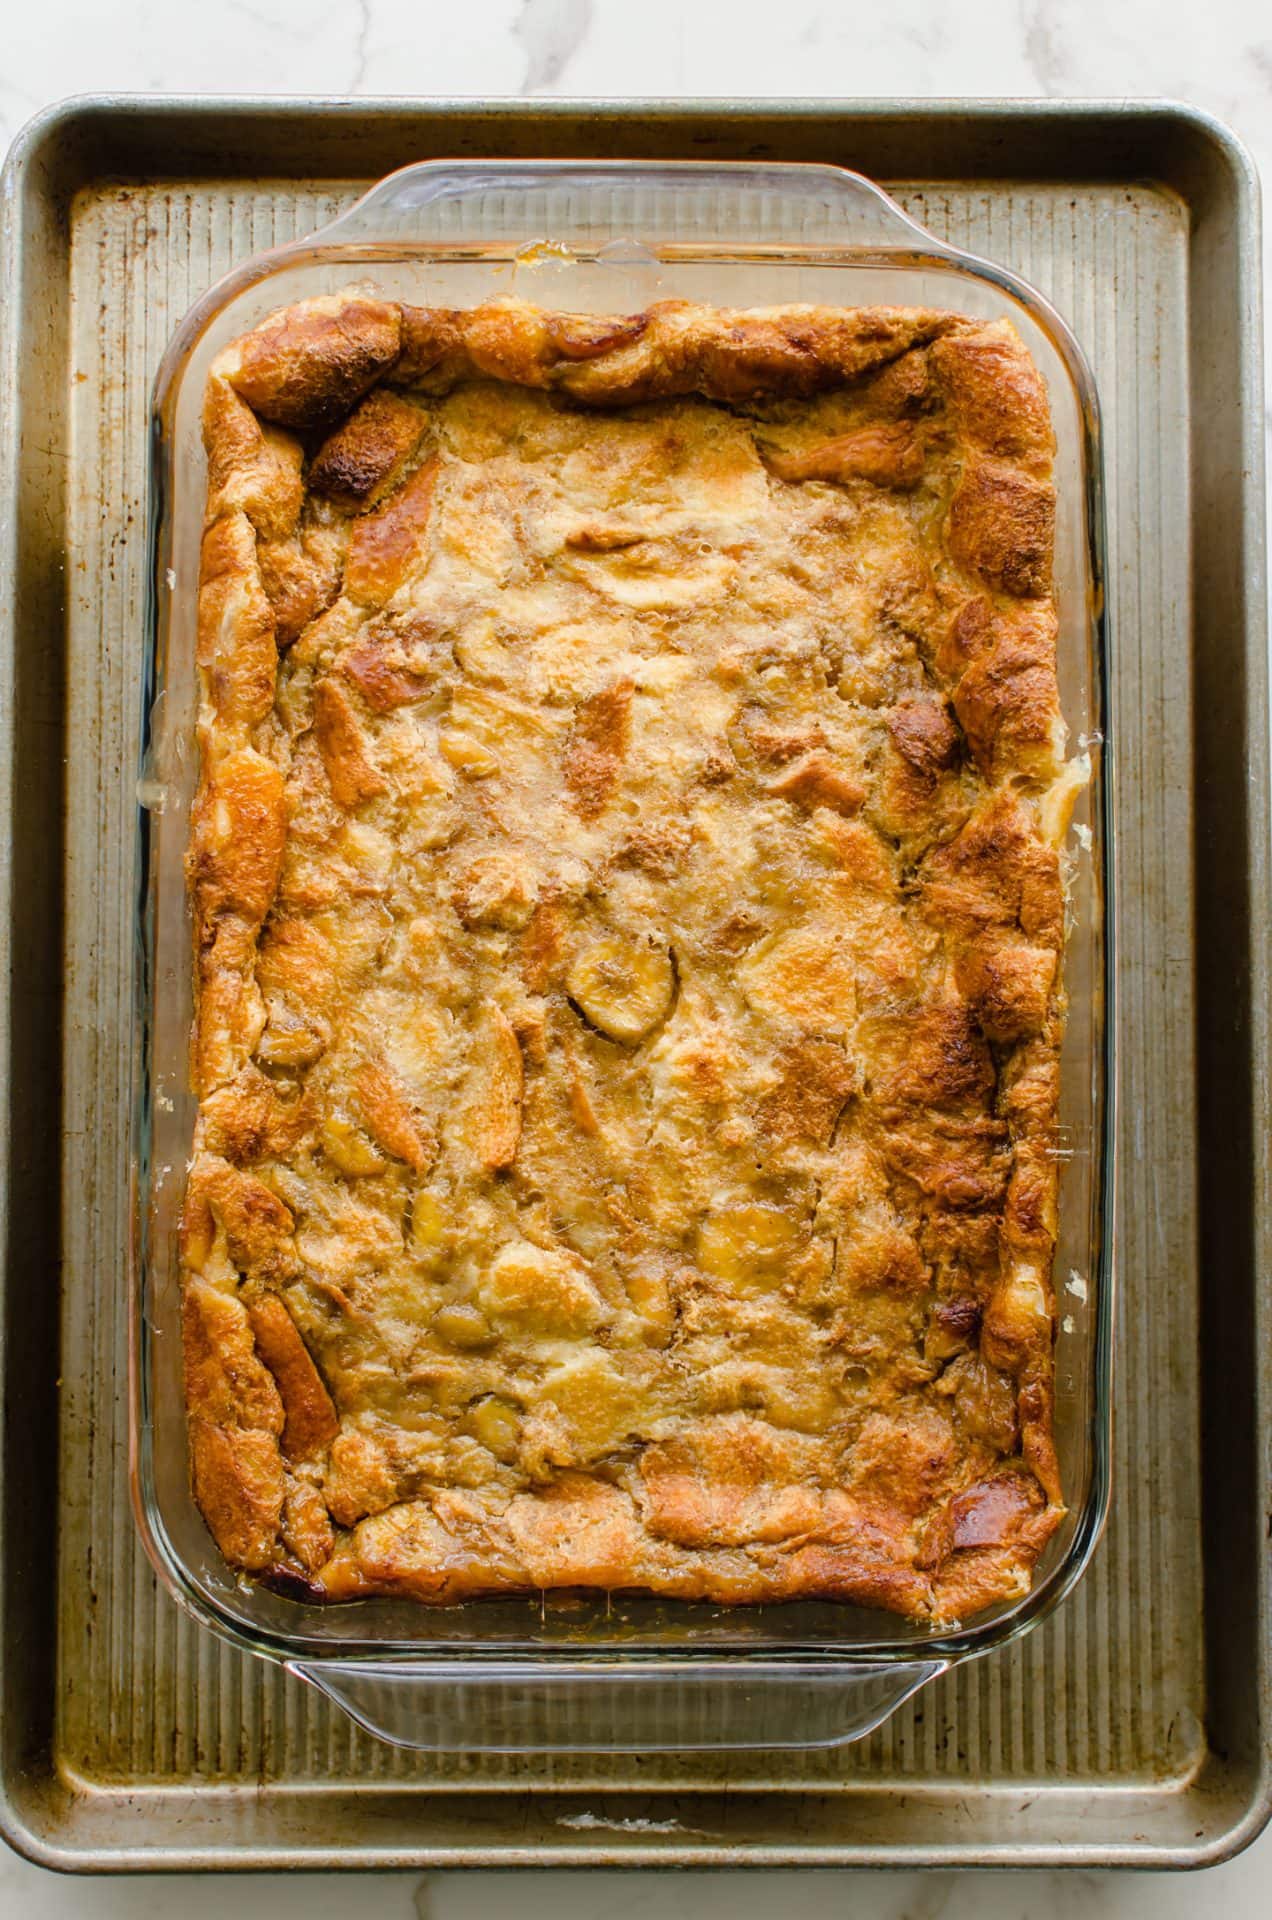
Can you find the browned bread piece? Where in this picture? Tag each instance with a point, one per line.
(629, 933)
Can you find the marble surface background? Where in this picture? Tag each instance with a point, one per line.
(1218, 57)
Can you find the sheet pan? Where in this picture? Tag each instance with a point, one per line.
(1134, 1726)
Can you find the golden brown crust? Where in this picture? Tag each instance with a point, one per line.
(597, 747)
(342, 745)
(240, 1486)
(628, 955)
(889, 456)
(672, 350)
(306, 366)
(1002, 526)
(995, 395)
(384, 543)
(365, 456)
(309, 1422)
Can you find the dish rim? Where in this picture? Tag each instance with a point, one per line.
(428, 1658)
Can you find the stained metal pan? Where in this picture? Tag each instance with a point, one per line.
(1135, 1725)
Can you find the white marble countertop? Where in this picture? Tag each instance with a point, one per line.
(1219, 58)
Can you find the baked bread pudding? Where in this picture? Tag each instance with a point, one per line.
(628, 912)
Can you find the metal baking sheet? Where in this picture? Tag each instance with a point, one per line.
(1134, 1727)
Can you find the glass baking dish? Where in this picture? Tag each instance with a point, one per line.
(619, 1673)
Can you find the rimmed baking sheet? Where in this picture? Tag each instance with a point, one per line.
(1133, 1726)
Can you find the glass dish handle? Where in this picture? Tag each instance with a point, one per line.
(673, 203)
(623, 1706)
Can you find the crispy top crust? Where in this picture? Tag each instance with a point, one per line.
(628, 910)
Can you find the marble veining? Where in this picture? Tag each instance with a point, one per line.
(552, 32)
(1044, 47)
